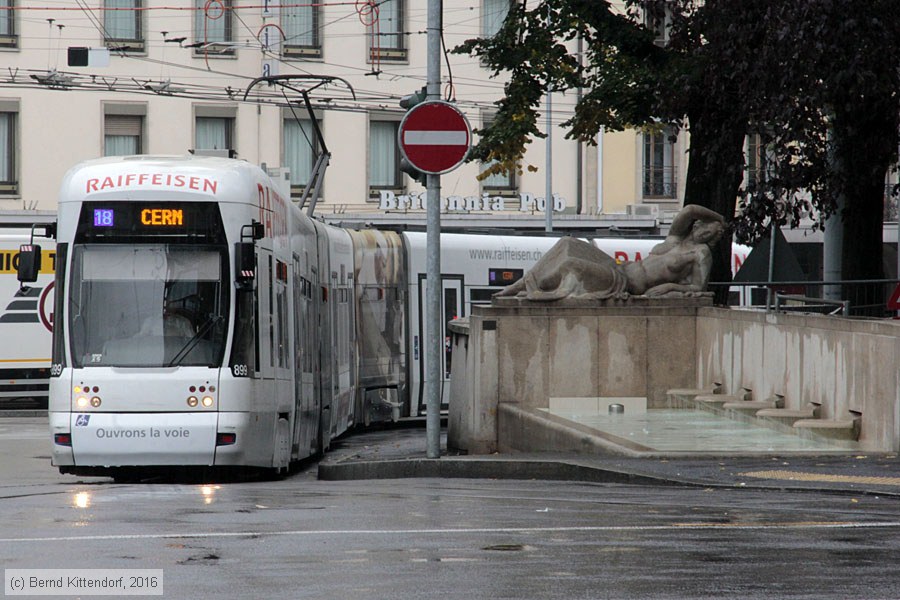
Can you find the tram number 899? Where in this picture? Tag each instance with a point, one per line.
(240, 371)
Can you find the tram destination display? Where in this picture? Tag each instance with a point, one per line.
(108, 220)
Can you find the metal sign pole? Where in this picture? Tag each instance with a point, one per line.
(434, 343)
(548, 202)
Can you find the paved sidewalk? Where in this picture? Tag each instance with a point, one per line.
(400, 453)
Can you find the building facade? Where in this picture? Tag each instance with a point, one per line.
(175, 76)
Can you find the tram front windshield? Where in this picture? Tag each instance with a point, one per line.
(147, 305)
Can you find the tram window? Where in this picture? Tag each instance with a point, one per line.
(59, 348)
(281, 301)
(244, 350)
(297, 350)
(257, 363)
(147, 306)
(244, 359)
(449, 315)
(307, 325)
(271, 313)
(482, 295)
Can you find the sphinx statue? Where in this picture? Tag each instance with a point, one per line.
(678, 266)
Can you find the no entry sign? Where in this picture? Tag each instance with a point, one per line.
(434, 137)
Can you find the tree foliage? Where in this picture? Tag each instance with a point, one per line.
(828, 114)
(533, 46)
(817, 80)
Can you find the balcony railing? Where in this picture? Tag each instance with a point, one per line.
(857, 298)
(660, 182)
(890, 203)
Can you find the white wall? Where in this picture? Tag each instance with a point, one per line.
(849, 366)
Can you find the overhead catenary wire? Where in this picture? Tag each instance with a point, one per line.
(369, 97)
(96, 26)
(19, 7)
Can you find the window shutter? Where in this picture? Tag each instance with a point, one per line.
(123, 125)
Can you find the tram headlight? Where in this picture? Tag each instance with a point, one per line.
(81, 402)
(207, 401)
(95, 401)
(192, 401)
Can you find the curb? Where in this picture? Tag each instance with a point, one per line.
(482, 469)
(353, 469)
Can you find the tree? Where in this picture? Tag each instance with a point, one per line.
(711, 85)
(818, 80)
(631, 82)
(831, 122)
(620, 74)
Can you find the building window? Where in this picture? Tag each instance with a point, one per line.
(9, 184)
(8, 36)
(756, 161)
(493, 14)
(214, 133)
(122, 135)
(300, 25)
(122, 25)
(659, 165)
(384, 157)
(213, 27)
(658, 19)
(387, 33)
(499, 184)
(891, 193)
(300, 152)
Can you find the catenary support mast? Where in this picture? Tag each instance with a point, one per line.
(435, 378)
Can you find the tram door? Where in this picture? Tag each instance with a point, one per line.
(306, 415)
(274, 347)
(266, 325)
(452, 307)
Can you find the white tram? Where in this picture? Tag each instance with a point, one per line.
(202, 319)
(26, 315)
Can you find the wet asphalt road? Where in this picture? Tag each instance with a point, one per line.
(434, 538)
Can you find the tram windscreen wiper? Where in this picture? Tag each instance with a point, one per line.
(186, 349)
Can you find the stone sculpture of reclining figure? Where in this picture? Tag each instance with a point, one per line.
(678, 266)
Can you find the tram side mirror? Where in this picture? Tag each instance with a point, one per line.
(244, 263)
(29, 263)
(245, 253)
